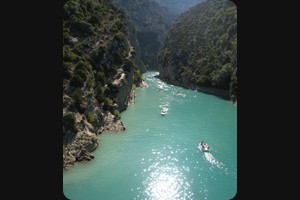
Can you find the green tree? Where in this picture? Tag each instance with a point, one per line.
(69, 121)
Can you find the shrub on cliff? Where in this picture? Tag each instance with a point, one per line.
(99, 93)
(69, 121)
(69, 56)
(67, 70)
(91, 118)
(77, 81)
(78, 101)
(137, 76)
(82, 27)
(117, 114)
(81, 73)
(108, 104)
(100, 77)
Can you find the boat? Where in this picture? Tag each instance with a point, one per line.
(203, 146)
(164, 111)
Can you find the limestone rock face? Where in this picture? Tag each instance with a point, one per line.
(124, 82)
(73, 40)
(149, 23)
(98, 64)
(80, 148)
(112, 123)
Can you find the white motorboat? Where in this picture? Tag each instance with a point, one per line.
(164, 111)
(203, 146)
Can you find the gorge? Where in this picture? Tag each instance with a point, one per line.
(112, 51)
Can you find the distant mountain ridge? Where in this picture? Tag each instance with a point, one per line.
(178, 6)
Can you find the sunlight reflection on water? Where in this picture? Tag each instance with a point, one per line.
(167, 182)
(158, 158)
(164, 178)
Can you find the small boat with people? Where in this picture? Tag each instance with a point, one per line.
(164, 111)
(203, 146)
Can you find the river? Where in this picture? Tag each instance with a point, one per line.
(157, 157)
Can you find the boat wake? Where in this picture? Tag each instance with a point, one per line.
(212, 160)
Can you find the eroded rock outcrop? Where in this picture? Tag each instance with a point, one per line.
(112, 123)
(80, 148)
(124, 83)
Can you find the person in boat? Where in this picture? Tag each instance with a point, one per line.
(204, 144)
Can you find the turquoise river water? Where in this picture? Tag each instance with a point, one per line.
(157, 157)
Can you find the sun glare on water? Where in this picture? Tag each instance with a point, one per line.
(167, 182)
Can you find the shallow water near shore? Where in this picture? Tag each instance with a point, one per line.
(157, 157)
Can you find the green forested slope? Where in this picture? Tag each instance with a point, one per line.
(201, 47)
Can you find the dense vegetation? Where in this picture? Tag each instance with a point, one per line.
(201, 47)
(95, 48)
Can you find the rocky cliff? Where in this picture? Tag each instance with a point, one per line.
(201, 48)
(98, 75)
(149, 24)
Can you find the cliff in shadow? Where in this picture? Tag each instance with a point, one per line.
(98, 75)
(148, 24)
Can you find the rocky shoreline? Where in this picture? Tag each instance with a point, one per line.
(80, 145)
(143, 84)
(80, 148)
